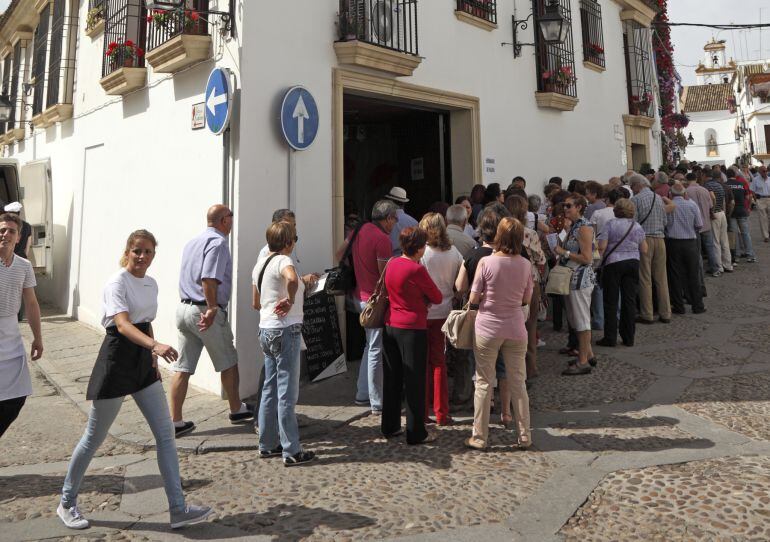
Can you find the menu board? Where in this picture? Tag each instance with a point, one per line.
(321, 332)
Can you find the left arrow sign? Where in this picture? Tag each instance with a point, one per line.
(214, 100)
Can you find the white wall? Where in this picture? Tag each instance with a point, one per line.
(723, 124)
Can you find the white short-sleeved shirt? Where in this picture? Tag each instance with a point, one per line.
(126, 293)
(273, 290)
(442, 266)
(15, 380)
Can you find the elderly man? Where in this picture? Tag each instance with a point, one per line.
(660, 185)
(682, 229)
(398, 196)
(651, 212)
(760, 186)
(720, 239)
(705, 201)
(456, 218)
(17, 285)
(205, 285)
(371, 249)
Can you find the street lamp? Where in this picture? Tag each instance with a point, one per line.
(5, 108)
(552, 25)
(690, 139)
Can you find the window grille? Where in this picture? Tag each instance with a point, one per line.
(61, 63)
(95, 4)
(163, 25)
(593, 36)
(39, 58)
(16, 106)
(124, 20)
(639, 75)
(6, 86)
(391, 24)
(555, 62)
(483, 9)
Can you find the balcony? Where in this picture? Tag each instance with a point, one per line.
(480, 13)
(178, 38)
(125, 31)
(379, 34)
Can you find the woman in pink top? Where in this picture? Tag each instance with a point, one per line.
(410, 291)
(502, 288)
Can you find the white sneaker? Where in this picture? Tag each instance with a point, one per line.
(540, 342)
(72, 517)
(190, 515)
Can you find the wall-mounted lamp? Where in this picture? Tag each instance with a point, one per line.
(5, 108)
(690, 139)
(552, 25)
(27, 88)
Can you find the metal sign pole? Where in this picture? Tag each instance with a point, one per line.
(292, 196)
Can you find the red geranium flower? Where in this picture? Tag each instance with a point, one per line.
(195, 16)
(129, 43)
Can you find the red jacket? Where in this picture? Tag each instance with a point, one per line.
(410, 289)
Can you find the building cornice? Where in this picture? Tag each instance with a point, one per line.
(637, 10)
(20, 16)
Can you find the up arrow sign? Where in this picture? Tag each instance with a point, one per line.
(300, 113)
(214, 100)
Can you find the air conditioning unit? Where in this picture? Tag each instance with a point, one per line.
(380, 22)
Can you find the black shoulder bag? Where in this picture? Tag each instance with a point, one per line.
(342, 279)
(262, 273)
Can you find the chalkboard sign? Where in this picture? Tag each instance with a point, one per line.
(321, 331)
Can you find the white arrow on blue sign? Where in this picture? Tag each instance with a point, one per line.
(299, 118)
(219, 100)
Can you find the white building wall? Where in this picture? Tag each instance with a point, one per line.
(723, 125)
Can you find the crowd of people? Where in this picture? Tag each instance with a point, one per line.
(610, 256)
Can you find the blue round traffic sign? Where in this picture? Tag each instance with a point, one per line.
(219, 100)
(299, 118)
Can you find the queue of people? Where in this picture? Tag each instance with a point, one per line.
(640, 241)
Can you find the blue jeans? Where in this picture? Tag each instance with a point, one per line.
(597, 308)
(370, 370)
(743, 236)
(277, 420)
(152, 402)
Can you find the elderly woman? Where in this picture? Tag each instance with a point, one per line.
(621, 242)
(410, 291)
(127, 365)
(443, 262)
(501, 288)
(576, 252)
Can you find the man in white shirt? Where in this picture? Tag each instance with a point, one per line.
(760, 186)
(17, 284)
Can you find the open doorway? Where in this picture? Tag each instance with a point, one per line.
(389, 144)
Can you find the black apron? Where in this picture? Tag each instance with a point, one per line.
(122, 367)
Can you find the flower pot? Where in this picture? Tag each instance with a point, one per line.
(197, 28)
(128, 62)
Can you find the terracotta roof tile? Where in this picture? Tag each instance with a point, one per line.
(707, 97)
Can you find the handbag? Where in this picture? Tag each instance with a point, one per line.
(459, 327)
(373, 314)
(609, 253)
(559, 280)
(342, 278)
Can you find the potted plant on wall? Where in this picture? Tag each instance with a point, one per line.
(640, 105)
(558, 80)
(159, 17)
(124, 54)
(596, 51)
(348, 26)
(94, 17)
(194, 23)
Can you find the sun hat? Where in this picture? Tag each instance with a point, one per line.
(398, 194)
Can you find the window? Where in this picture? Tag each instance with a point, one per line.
(593, 38)
(61, 62)
(166, 24)
(38, 60)
(17, 107)
(6, 86)
(124, 21)
(391, 24)
(636, 42)
(555, 62)
(483, 9)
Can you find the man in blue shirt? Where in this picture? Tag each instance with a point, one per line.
(398, 195)
(683, 262)
(760, 186)
(205, 285)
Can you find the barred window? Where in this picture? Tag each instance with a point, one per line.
(593, 38)
(124, 21)
(6, 86)
(60, 66)
(555, 62)
(483, 9)
(639, 74)
(16, 106)
(39, 58)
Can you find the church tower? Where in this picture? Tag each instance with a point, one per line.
(715, 69)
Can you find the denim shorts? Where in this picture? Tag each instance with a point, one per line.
(218, 340)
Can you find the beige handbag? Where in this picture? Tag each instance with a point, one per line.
(459, 328)
(559, 280)
(373, 314)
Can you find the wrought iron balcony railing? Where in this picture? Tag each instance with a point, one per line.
(483, 9)
(391, 24)
(164, 25)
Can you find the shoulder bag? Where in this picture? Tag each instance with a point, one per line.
(262, 273)
(459, 327)
(373, 314)
(609, 253)
(341, 279)
(559, 280)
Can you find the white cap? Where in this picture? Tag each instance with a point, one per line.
(14, 207)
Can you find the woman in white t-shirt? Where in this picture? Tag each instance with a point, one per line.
(278, 294)
(127, 365)
(443, 262)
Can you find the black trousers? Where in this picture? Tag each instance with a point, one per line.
(9, 411)
(558, 307)
(406, 351)
(683, 269)
(620, 280)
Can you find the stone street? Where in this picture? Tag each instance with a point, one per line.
(664, 441)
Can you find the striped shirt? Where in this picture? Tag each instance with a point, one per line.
(719, 194)
(655, 224)
(685, 221)
(14, 374)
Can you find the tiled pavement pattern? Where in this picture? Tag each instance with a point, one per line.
(664, 441)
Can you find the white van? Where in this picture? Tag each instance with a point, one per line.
(30, 184)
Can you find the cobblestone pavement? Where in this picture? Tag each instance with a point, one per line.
(664, 441)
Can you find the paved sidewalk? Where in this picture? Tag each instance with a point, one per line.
(70, 351)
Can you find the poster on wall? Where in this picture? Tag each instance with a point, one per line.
(490, 170)
(418, 169)
(321, 332)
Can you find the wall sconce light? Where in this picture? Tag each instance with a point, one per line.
(690, 139)
(5, 108)
(552, 26)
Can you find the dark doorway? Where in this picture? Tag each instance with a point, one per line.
(389, 144)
